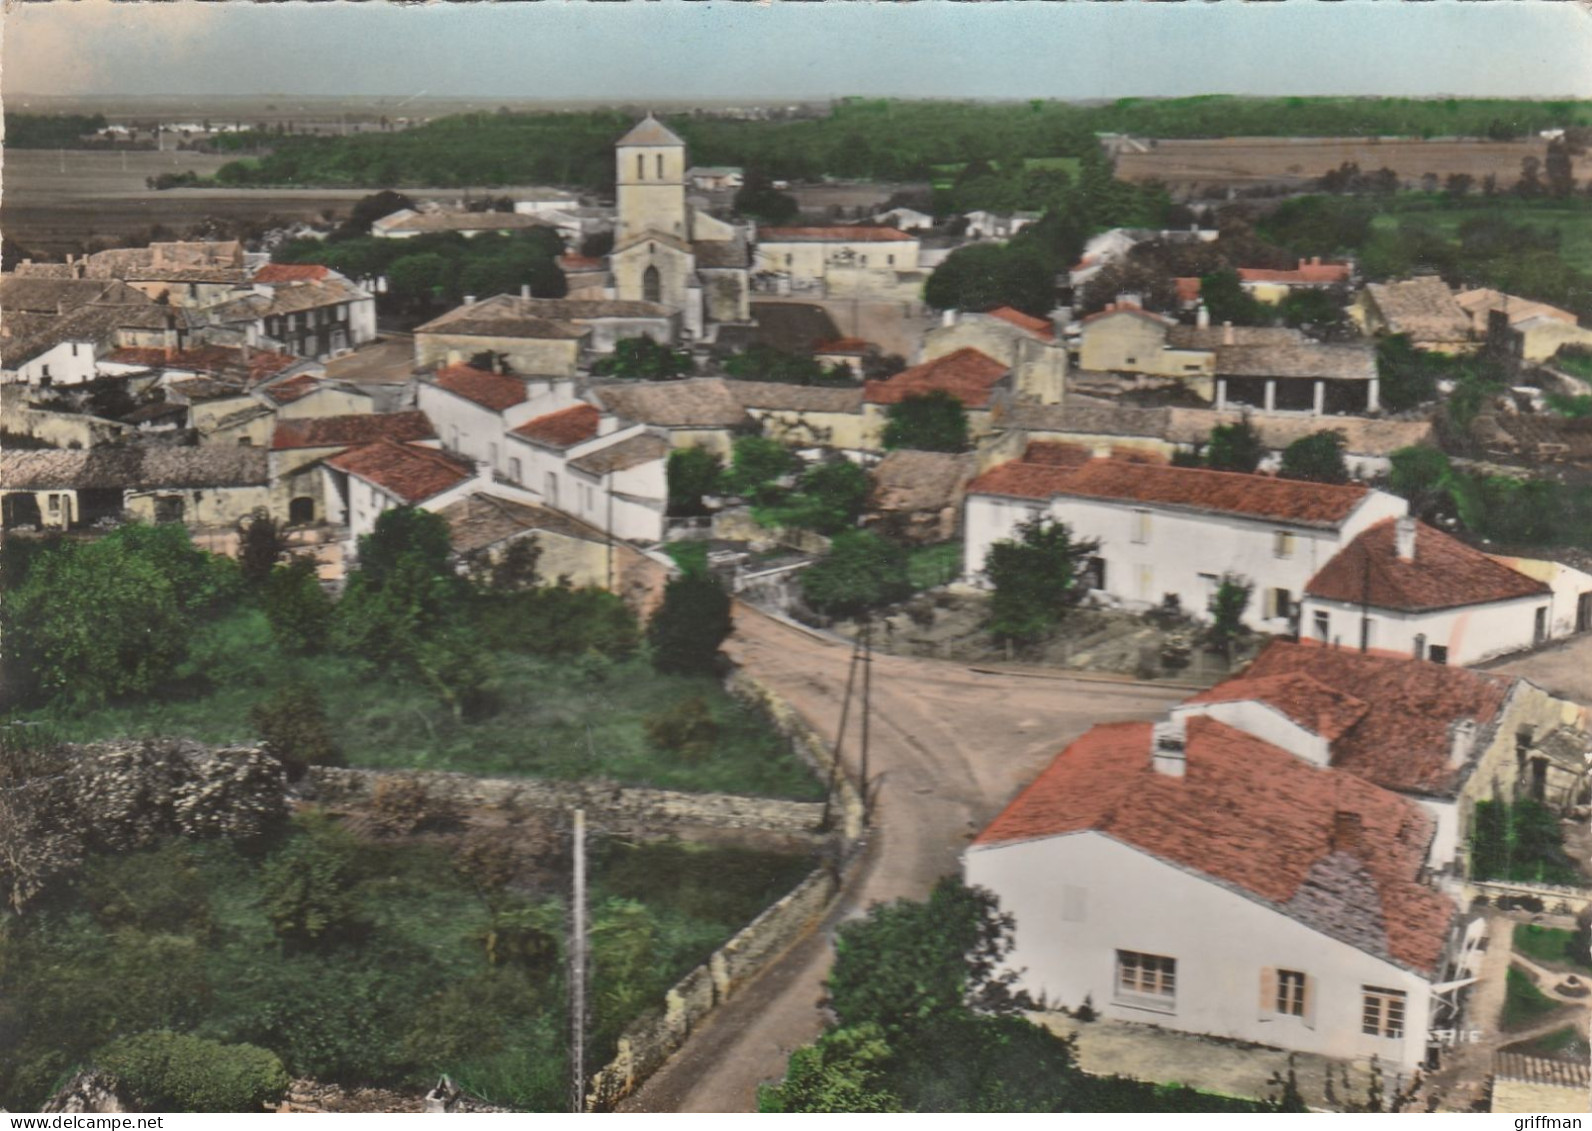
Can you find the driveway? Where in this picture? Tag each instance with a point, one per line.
(949, 747)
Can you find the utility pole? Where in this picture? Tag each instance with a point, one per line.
(867, 709)
(610, 532)
(577, 973)
(840, 741)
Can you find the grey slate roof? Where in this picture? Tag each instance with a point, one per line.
(624, 455)
(134, 468)
(703, 402)
(1350, 361)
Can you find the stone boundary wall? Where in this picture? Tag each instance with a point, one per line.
(619, 808)
(1576, 899)
(647, 1044)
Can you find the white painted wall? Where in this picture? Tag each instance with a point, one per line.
(1265, 722)
(465, 428)
(1078, 899)
(67, 363)
(1471, 634)
(1178, 547)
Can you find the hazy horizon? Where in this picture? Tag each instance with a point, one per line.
(681, 52)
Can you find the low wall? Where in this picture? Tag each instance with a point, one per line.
(1556, 898)
(623, 810)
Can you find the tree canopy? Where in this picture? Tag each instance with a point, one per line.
(1317, 457)
(861, 572)
(930, 422)
(1036, 579)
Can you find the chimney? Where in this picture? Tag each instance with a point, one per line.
(1348, 833)
(1404, 538)
(1228, 337)
(1168, 741)
(525, 290)
(948, 318)
(1461, 738)
(469, 300)
(1202, 317)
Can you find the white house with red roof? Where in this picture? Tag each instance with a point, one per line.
(363, 482)
(1271, 285)
(1175, 531)
(1190, 875)
(1402, 588)
(473, 409)
(597, 467)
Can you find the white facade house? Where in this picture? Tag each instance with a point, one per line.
(1150, 874)
(362, 483)
(474, 410)
(1169, 531)
(1402, 588)
(596, 467)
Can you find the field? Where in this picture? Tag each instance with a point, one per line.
(1573, 222)
(1293, 161)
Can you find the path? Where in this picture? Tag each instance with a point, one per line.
(949, 748)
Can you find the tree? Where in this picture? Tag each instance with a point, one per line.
(757, 464)
(298, 609)
(845, 1070)
(931, 422)
(1408, 376)
(293, 726)
(1317, 457)
(403, 592)
(644, 359)
(1227, 610)
(1235, 447)
(686, 631)
(987, 275)
(402, 533)
(862, 571)
(1036, 579)
(1420, 475)
(1224, 296)
(368, 209)
(759, 199)
(828, 498)
(260, 545)
(759, 362)
(1317, 311)
(1560, 171)
(692, 472)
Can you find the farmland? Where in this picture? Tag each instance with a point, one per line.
(1294, 161)
(1572, 220)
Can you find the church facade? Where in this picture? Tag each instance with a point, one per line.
(666, 250)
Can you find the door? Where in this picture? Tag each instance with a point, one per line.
(1539, 630)
(1583, 612)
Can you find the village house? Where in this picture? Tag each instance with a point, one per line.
(1296, 919)
(970, 375)
(905, 220)
(1271, 286)
(299, 445)
(472, 409)
(715, 178)
(315, 318)
(1401, 587)
(666, 250)
(917, 496)
(1106, 248)
(407, 223)
(198, 487)
(53, 331)
(1422, 309)
(1444, 737)
(539, 337)
(195, 273)
(361, 483)
(1169, 532)
(1029, 346)
(701, 412)
(1301, 376)
(1126, 338)
(807, 416)
(792, 260)
(1538, 331)
(984, 225)
(1567, 572)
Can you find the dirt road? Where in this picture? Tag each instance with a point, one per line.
(949, 747)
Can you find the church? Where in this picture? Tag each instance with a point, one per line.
(666, 250)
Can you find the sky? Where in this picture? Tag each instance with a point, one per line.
(680, 50)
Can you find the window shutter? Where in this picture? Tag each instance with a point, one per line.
(1310, 1002)
(1268, 993)
(1271, 604)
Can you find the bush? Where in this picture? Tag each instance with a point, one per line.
(1317, 458)
(932, 422)
(309, 888)
(689, 626)
(292, 725)
(1035, 577)
(687, 728)
(861, 572)
(299, 611)
(692, 472)
(1235, 447)
(165, 1071)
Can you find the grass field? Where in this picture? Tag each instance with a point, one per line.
(552, 718)
(1561, 1044)
(929, 566)
(945, 175)
(1572, 221)
(1549, 946)
(1524, 1004)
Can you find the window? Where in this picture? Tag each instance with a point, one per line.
(1382, 1014)
(1420, 646)
(789, 259)
(660, 166)
(641, 166)
(1438, 653)
(1151, 976)
(551, 489)
(1291, 993)
(1323, 627)
(1283, 546)
(514, 471)
(1141, 526)
(1279, 603)
(55, 505)
(890, 260)
(651, 285)
(1132, 361)
(44, 371)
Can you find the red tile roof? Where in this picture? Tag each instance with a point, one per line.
(840, 234)
(580, 263)
(1403, 740)
(1039, 327)
(562, 429)
(1308, 273)
(412, 474)
(1112, 308)
(207, 359)
(967, 374)
(844, 345)
(1184, 488)
(291, 273)
(493, 391)
(1058, 453)
(1444, 573)
(1188, 288)
(351, 429)
(1249, 816)
(1020, 480)
(293, 389)
(1322, 710)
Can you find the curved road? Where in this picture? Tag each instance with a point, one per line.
(948, 748)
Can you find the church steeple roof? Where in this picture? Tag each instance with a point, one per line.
(650, 132)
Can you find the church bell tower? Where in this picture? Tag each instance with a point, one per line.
(651, 183)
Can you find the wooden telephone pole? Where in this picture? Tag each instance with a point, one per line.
(577, 972)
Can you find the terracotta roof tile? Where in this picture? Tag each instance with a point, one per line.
(1444, 573)
(1423, 308)
(405, 471)
(1188, 488)
(494, 391)
(967, 374)
(1403, 740)
(700, 402)
(1251, 817)
(351, 429)
(1307, 274)
(1188, 288)
(293, 389)
(562, 429)
(261, 364)
(841, 234)
(1322, 710)
(580, 263)
(291, 273)
(1039, 327)
(1114, 308)
(1019, 480)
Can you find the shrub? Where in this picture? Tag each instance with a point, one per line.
(686, 728)
(1317, 457)
(260, 544)
(861, 572)
(689, 626)
(309, 888)
(932, 422)
(298, 609)
(292, 725)
(1235, 447)
(165, 1071)
(402, 804)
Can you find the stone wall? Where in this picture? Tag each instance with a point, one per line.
(1556, 898)
(622, 810)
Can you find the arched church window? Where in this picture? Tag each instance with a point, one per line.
(651, 285)
(660, 166)
(641, 166)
